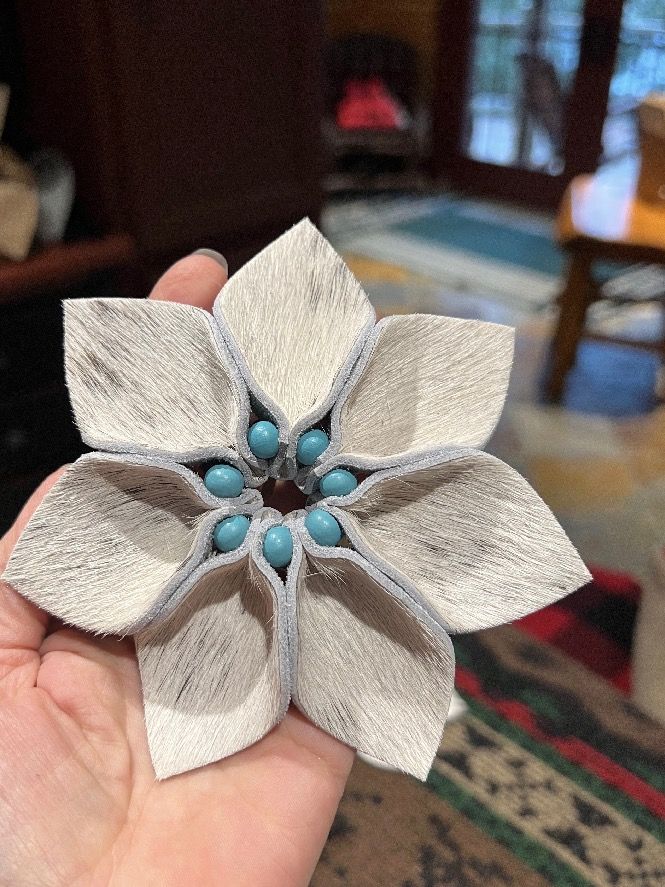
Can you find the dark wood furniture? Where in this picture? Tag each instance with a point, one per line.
(61, 264)
(601, 218)
(188, 125)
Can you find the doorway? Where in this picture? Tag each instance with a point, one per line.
(533, 92)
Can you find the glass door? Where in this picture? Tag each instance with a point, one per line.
(531, 83)
(523, 63)
(639, 69)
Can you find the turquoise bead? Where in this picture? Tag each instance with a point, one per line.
(230, 533)
(322, 527)
(311, 445)
(263, 439)
(224, 481)
(338, 482)
(278, 546)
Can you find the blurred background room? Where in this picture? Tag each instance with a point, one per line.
(493, 159)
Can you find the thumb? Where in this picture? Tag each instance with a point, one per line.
(22, 625)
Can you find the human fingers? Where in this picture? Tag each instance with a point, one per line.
(22, 624)
(194, 280)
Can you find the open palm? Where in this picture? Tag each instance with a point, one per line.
(79, 803)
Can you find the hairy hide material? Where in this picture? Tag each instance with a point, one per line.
(444, 537)
(210, 671)
(376, 677)
(430, 381)
(295, 312)
(147, 375)
(105, 541)
(471, 535)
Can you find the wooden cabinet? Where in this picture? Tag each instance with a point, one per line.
(188, 124)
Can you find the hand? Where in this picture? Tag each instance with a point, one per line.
(79, 804)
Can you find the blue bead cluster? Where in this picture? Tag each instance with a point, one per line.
(227, 482)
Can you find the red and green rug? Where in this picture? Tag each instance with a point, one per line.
(552, 777)
(594, 625)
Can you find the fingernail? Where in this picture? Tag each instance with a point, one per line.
(214, 255)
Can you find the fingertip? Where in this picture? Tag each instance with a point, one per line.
(215, 256)
(336, 755)
(195, 280)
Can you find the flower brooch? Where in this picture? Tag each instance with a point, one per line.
(410, 532)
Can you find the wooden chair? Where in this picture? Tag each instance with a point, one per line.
(609, 218)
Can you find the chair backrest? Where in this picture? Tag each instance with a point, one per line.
(361, 56)
(651, 116)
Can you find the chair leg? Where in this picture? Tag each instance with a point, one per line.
(573, 304)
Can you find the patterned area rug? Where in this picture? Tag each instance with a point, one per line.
(552, 777)
(593, 625)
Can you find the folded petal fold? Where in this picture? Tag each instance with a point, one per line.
(110, 540)
(295, 318)
(150, 376)
(210, 671)
(468, 533)
(423, 382)
(372, 668)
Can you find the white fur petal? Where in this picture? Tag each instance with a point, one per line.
(108, 539)
(294, 314)
(149, 376)
(429, 381)
(470, 535)
(369, 671)
(210, 671)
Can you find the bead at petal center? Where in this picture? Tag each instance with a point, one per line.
(311, 445)
(230, 533)
(322, 527)
(278, 546)
(224, 481)
(263, 439)
(338, 482)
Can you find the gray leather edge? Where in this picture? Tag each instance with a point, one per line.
(284, 464)
(269, 517)
(241, 459)
(408, 597)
